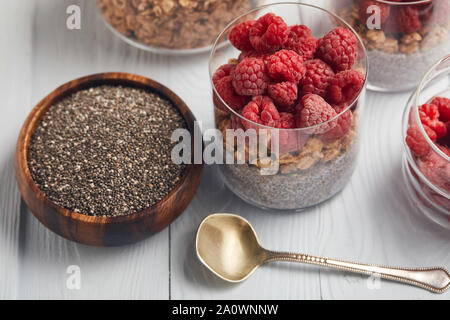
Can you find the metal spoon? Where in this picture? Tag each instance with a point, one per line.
(228, 245)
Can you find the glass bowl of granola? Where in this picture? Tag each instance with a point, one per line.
(402, 38)
(287, 108)
(171, 26)
(426, 136)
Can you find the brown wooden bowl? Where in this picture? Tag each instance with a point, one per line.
(104, 231)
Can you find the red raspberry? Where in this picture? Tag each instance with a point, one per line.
(314, 110)
(344, 123)
(317, 78)
(253, 54)
(284, 94)
(260, 110)
(290, 140)
(222, 71)
(403, 19)
(429, 115)
(416, 141)
(286, 65)
(240, 36)
(365, 13)
(345, 86)
(249, 77)
(269, 33)
(287, 121)
(445, 150)
(225, 89)
(436, 169)
(338, 48)
(301, 41)
(443, 105)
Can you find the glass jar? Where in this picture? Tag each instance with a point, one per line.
(402, 38)
(171, 26)
(297, 168)
(427, 170)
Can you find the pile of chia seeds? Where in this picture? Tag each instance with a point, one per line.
(106, 151)
(294, 191)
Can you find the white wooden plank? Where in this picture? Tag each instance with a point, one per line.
(137, 271)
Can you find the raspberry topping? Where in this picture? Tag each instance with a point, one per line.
(443, 105)
(260, 110)
(429, 115)
(240, 36)
(317, 78)
(404, 19)
(268, 33)
(225, 89)
(314, 110)
(284, 94)
(253, 54)
(301, 41)
(249, 77)
(222, 71)
(416, 141)
(344, 123)
(338, 48)
(365, 11)
(286, 65)
(345, 86)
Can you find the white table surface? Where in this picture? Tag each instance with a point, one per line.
(370, 221)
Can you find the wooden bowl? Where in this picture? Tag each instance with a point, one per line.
(104, 231)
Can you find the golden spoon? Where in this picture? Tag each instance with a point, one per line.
(228, 245)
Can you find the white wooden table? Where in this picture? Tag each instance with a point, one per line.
(370, 221)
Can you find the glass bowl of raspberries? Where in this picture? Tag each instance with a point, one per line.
(426, 136)
(402, 38)
(288, 96)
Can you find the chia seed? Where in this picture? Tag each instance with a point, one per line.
(106, 151)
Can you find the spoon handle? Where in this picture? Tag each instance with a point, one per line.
(434, 279)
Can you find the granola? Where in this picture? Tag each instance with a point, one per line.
(172, 24)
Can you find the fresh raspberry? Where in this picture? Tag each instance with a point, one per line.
(345, 86)
(286, 65)
(222, 71)
(260, 110)
(284, 94)
(344, 123)
(429, 115)
(269, 33)
(416, 141)
(317, 78)
(313, 110)
(225, 89)
(365, 13)
(338, 48)
(240, 36)
(301, 41)
(443, 105)
(249, 77)
(253, 54)
(403, 19)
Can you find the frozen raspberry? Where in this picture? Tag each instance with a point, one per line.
(338, 48)
(260, 110)
(344, 123)
(284, 94)
(317, 78)
(403, 19)
(286, 121)
(301, 41)
(436, 169)
(225, 89)
(429, 115)
(285, 65)
(443, 105)
(345, 86)
(313, 110)
(240, 36)
(416, 141)
(290, 140)
(249, 77)
(222, 71)
(253, 54)
(365, 11)
(269, 33)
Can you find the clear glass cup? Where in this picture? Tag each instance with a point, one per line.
(302, 167)
(428, 177)
(399, 52)
(171, 26)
